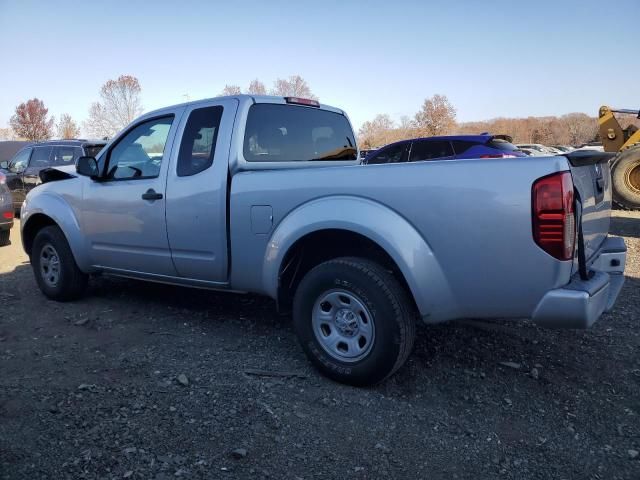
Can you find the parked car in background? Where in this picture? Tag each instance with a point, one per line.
(22, 171)
(533, 153)
(6, 211)
(266, 195)
(445, 148)
(563, 148)
(539, 148)
(596, 146)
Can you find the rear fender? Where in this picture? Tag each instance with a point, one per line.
(393, 233)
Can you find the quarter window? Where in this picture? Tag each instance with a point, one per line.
(139, 153)
(66, 155)
(198, 144)
(461, 146)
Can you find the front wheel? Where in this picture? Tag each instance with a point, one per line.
(354, 320)
(54, 267)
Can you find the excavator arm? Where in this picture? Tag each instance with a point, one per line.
(614, 137)
(625, 166)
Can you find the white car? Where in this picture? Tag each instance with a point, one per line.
(539, 148)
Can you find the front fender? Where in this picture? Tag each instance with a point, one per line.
(393, 233)
(55, 207)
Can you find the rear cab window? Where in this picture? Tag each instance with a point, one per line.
(293, 133)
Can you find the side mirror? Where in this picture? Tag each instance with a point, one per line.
(4, 164)
(88, 166)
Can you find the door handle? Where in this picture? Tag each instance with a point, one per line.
(151, 194)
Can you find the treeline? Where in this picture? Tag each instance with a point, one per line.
(438, 117)
(119, 103)
(571, 129)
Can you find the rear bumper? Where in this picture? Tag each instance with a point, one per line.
(581, 302)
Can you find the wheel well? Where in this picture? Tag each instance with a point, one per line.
(317, 247)
(36, 223)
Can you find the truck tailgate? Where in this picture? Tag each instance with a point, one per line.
(592, 182)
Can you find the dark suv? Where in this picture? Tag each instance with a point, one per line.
(23, 169)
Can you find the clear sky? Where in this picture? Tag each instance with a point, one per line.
(491, 58)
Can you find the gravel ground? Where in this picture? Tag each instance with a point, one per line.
(147, 381)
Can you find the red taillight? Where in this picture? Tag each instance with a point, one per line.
(7, 215)
(3, 178)
(302, 101)
(554, 224)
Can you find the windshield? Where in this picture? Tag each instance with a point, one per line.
(287, 133)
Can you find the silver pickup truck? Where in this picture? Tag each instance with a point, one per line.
(266, 195)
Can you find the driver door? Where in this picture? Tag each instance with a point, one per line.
(123, 214)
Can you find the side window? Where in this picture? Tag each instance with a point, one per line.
(41, 157)
(391, 154)
(430, 150)
(461, 146)
(139, 153)
(20, 161)
(66, 155)
(198, 144)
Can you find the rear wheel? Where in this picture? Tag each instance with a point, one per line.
(354, 320)
(54, 267)
(4, 237)
(626, 179)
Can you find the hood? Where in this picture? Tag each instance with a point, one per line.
(57, 173)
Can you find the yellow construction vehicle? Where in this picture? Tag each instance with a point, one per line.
(625, 166)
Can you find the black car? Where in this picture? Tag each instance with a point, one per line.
(23, 169)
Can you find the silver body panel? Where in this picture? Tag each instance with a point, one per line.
(459, 231)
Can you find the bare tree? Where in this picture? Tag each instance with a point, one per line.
(407, 128)
(377, 132)
(8, 134)
(580, 128)
(437, 116)
(67, 128)
(118, 106)
(294, 86)
(30, 121)
(230, 90)
(256, 87)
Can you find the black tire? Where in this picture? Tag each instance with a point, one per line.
(626, 179)
(393, 315)
(71, 281)
(4, 238)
